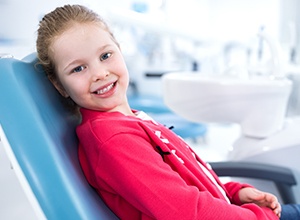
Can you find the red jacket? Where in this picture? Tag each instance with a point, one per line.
(142, 170)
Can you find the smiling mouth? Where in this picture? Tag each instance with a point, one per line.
(106, 89)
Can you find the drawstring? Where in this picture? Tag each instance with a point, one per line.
(162, 153)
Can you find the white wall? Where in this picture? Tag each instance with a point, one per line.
(19, 23)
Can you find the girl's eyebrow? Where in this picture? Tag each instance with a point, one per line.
(79, 60)
(70, 64)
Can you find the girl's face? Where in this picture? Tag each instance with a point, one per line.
(91, 68)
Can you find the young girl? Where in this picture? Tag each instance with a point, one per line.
(141, 169)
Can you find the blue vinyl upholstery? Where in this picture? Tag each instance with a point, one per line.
(41, 134)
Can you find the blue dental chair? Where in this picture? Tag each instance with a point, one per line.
(39, 134)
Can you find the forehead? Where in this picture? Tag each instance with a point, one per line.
(82, 30)
(80, 36)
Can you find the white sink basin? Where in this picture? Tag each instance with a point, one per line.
(258, 105)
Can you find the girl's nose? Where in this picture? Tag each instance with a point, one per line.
(99, 74)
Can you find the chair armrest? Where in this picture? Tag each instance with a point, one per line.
(283, 177)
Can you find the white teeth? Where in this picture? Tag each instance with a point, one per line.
(106, 89)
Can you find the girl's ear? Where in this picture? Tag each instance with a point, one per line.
(59, 87)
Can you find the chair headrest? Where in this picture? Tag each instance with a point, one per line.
(41, 134)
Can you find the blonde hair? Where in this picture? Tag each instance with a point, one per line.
(53, 25)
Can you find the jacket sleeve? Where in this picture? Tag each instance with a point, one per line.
(130, 168)
(233, 188)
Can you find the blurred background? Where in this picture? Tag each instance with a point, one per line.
(161, 36)
(158, 36)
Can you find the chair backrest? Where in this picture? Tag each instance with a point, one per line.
(41, 135)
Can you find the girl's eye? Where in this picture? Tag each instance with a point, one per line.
(105, 56)
(78, 69)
